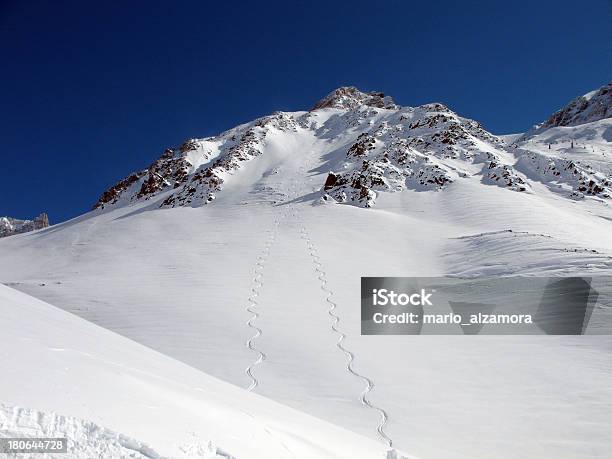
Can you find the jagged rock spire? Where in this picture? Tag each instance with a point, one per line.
(348, 97)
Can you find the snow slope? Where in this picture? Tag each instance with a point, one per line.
(256, 285)
(60, 363)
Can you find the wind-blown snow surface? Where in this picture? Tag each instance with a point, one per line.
(60, 363)
(186, 280)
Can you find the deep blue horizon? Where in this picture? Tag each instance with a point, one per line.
(92, 92)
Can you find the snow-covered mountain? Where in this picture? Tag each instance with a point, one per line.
(241, 255)
(572, 150)
(593, 106)
(10, 226)
(379, 147)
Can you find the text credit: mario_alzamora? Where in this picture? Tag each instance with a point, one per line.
(485, 305)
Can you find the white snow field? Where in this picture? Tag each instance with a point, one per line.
(61, 364)
(256, 287)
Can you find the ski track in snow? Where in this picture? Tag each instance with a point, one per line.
(322, 276)
(341, 336)
(252, 303)
(257, 285)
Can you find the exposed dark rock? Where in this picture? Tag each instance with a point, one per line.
(594, 106)
(349, 97)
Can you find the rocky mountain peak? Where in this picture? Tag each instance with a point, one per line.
(376, 147)
(10, 226)
(349, 97)
(593, 106)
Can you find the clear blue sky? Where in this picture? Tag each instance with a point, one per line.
(94, 90)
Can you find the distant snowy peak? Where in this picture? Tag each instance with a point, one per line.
(594, 106)
(572, 151)
(10, 226)
(349, 97)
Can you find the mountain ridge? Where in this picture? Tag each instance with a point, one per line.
(392, 148)
(592, 106)
(10, 226)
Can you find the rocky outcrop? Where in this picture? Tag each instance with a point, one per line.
(581, 179)
(193, 173)
(410, 149)
(594, 106)
(504, 175)
(349, 98)
(10, 226)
